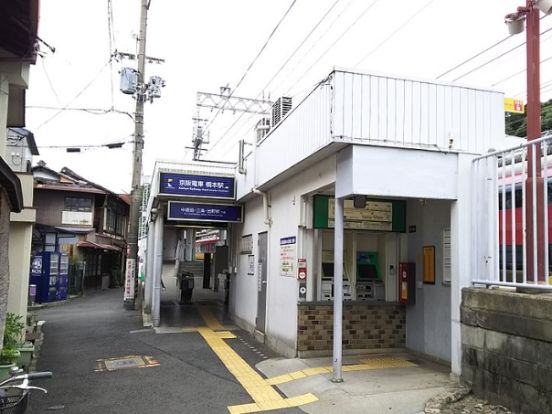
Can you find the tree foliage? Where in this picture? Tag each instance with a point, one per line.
(516, 124)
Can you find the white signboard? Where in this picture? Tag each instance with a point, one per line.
(251, 264)
(129, 279)
(81, 218)
(288, 256)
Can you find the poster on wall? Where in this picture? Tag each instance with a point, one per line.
(130, 279)
(251, 264)
(288, 256)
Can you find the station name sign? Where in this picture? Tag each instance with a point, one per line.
(191, 185)
(182, 211)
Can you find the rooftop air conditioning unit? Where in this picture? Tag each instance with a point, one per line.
(262, 128)
(280, 108)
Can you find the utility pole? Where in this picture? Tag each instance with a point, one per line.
(135, 193)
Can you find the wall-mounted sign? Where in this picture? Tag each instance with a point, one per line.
(251, 265)
(515, 106)
(208, 186)
(380, 215)
(182, 211)
(287, 256)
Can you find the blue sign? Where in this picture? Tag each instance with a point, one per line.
(288, 240)
(204, 212)
(197, 185)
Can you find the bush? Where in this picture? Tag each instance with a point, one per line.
(13, 329)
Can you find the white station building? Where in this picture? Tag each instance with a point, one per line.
(366, 181)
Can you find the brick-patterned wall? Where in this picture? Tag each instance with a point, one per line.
(365, 326)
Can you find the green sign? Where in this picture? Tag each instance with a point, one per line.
(377, 214)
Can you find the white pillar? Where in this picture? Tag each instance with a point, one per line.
(338, 291)
(462, 260)
(158, 270)
(148, 286)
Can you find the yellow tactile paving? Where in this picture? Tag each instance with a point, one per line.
(209, 318)
(372, 363)
(266, 398)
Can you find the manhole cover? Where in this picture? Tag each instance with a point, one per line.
(131, 361)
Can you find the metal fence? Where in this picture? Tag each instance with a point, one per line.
(511, 204)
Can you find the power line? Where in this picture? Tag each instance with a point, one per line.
(520, 72)
(333, 44)
(113, 143)
(495, 58)
(316, 42)
(50, 81)
(473, 57)
(286, 62)
(397, 30)
(478, 54)
(254, 60)
(93, 111)
(74, 98)
(112, 47)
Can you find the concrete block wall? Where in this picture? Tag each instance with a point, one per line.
(507, 347)
(365, 326)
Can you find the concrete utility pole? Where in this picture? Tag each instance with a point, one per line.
(135, 194)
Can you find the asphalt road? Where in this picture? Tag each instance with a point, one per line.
(189, 379)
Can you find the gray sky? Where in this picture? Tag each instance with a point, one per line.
(210, 43)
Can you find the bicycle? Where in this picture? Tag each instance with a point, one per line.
(14, 399)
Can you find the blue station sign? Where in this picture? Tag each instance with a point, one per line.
(190, 185)
(182, 211)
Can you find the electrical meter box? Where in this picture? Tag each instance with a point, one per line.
(129, 81)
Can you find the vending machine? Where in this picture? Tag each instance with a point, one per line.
(44, 275)
(63, 277)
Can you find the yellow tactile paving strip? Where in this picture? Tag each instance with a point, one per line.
(209, 318)
(265, 397)
(372, 363)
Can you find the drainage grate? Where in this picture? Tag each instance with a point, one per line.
(130, 361)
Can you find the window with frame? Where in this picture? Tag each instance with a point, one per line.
(81, 204)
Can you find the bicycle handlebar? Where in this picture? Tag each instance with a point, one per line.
(39, 375)
(26, 377)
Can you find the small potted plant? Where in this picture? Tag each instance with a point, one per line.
(9, 355)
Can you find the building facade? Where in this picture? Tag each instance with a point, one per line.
(366, 180)
(18, 47)
(84, 220)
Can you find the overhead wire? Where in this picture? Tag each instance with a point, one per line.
(112, 47)
(360, 16)
(94, 111)
(292, 4)
(488, 48)
(309, 34)
(74, 98)
(317, 41)
(495, 58)
(50, 81)
(520, 72)
(397, 30)
(110, 142)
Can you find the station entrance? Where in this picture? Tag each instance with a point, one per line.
(189, 214)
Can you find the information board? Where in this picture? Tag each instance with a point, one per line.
(182, 211)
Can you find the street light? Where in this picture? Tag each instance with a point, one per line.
(529, 16)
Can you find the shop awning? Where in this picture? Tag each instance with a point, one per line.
(92, 245)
